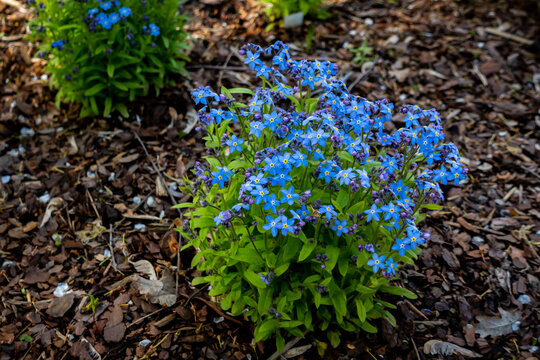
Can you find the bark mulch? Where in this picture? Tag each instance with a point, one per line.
(89, 259)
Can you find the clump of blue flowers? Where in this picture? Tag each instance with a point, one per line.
(103, 54)
(307, 205)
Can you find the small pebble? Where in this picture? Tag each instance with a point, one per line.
(477, 240)
(145, 342)
(515, 326)
(140, 227)
(45, 198)
(524, 299)
(61, 289)
(25, 131)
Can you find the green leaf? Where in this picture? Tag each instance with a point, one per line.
(281, 269)
(333, 255)
(108, 106)
(334, 338)
(265, 329)
(360, 309)
(120, 85)
(226, 92)
(110, 70)
(201, 280)
(203, 222)
(265, 300)
(254, 279)
(397, 290)
(94, 90)
(241, 91)
(26, 337)
(183, 206)
(431, 206)
(391, 319)
(122, 109)
(307, 249)
(368, 327)
(342, 199)
(280, 341)
(343, 265)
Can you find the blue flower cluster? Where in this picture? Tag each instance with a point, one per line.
(102, 17)
(341, 145)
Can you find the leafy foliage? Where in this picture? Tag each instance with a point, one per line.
(306, 206)
(280, 9)
(105, 53)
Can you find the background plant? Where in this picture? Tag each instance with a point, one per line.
(105, 53)
(307, 206)
(362, 53)
(278, 10)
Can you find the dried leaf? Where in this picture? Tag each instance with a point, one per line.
(91, 232)
(53, 205)
(438, 347)
(145, 267)
(115, 328)
(498, 326)
(59, 306)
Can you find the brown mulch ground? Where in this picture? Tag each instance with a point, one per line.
(73, 192)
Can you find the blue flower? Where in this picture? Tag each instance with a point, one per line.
(340, 227)
(93, 11)
(372, 213)
(240, 206)
(271, 202)
(391, 266)
(220, 218)
(124, 11)
(258, 179)
(114, 18)
(289, 196)
(220, 177)
(272, 224)
(106, 5)
(327, 173)
(286, 225)
(377, 262)
(272, 120)
(345, 176)
(300, 159)
(252, 60)
(260, 194)
(390, 164)
(106, 23)
(255, 128)
(401, 246)
(235, 144)
(390, 211)
(328, 210)
(154, 29)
